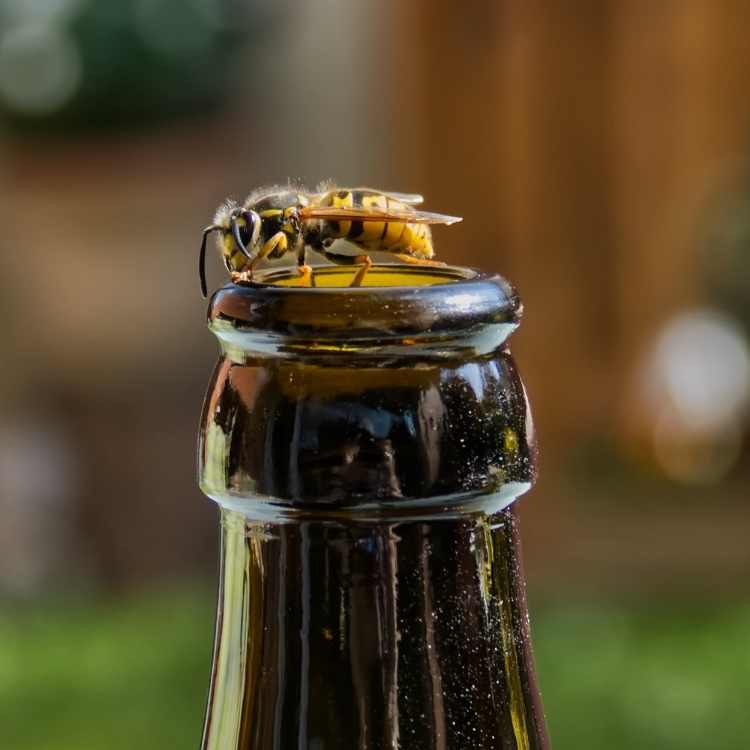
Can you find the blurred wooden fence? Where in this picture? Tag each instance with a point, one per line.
(581, 141)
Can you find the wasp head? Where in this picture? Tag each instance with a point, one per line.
(239, 227)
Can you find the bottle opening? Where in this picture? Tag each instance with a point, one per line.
(380, 275)
(400, 311)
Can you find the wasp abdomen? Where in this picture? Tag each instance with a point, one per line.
(388, 236)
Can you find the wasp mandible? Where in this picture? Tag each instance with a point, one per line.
(274, 221)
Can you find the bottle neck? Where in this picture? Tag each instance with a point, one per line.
(340, 635)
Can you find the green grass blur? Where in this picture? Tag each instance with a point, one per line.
(128, 674)
(134, 673)
(655, 675)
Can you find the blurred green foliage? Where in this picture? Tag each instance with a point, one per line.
(134, 674)
(124, 675)
(67, 65)
(658, 675)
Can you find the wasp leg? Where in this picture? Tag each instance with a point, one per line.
(278, 241)
(418, 261)
(238, 276)
(363, 269)
(306, 275)
(363, 261)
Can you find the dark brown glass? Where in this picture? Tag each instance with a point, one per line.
(365, 447)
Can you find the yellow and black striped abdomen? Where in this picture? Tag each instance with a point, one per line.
(388, 236)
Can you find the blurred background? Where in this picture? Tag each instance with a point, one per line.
(600, 154)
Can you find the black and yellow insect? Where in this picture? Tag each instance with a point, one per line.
(274, 221)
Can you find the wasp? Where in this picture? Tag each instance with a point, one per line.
(274, 221)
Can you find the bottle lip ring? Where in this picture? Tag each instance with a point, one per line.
(267, 509)
(472, 301)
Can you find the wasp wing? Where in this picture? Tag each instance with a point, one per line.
(411, 199)
(344, 213)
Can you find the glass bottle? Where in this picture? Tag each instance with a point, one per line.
(365, 446)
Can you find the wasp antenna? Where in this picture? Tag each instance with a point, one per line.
(236, 234)
(202, 259)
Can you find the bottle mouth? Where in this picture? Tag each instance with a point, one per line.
(390, 275)
(400, 310)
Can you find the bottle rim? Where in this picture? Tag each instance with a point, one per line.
(445, 309)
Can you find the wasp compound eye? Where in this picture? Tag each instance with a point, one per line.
(252, 226)
(241, 236)
(245, 234)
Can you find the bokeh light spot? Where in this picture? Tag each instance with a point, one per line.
(697, 387)
(40, 69)
(702, 364)
(49, 11)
